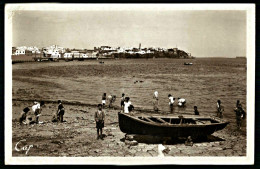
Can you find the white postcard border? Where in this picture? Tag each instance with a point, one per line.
(248, 159)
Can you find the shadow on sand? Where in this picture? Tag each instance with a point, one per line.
(171, 141)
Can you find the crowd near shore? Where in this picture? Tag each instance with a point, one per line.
(126, 107)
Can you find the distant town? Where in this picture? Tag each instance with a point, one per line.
(56, 52)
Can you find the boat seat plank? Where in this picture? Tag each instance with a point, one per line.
(161, 120)
(148, 119)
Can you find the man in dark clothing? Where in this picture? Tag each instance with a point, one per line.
(240, 114)
(122, 101)
(60, 111)
(99, 118)
(196, 112)
(220, 109)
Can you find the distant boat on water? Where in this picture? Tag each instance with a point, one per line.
(185, 63)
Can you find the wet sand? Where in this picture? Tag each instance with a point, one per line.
(84, 82)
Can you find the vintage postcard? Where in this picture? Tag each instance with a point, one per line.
(129, 84)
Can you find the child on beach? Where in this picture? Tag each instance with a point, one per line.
(181, 102)
(99, 118)
(171, 101)
(196, 112)
(54, 117)
(240, 114)
(155, 101)
(111, 99)
(104, 97)
(127, 104)
(23, 115)
(60, 111)
(220, 109)
(122, 101)
(36, 108)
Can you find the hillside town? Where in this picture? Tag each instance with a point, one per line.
(57, 52)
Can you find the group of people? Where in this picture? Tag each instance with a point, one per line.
(181, 102)
(111, 99)
(240, 112)
(27, 117)
(126, 106)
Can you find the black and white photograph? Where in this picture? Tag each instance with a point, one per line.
(129, 83)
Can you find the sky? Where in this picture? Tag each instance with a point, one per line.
(202, 33)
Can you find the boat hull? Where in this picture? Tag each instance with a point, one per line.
(133, 125)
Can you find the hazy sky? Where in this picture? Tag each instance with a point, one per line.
(202, 33)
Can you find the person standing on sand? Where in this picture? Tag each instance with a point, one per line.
(240, 114)
(122, 101)
(99, 118)
(104, 97)
(155, 101)
(196, 112)
(23, 115)
(171, 101)
(127, 104)
(36, 108)
(220, 109)
(111, 99)
(60, 111)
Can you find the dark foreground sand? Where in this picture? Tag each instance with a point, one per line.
(77, 137)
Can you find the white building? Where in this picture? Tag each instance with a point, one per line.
(68, 55)
(20, 52)
(83, 55)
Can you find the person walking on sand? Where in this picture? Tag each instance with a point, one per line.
(60, 111)
(171, 101)
(127, 104)
(104, 97)
(220, 109)
(122, 101)
(23, 115)
(155, 101)
(36, 108)
(99, 118)
(196, 112)
(240, 114)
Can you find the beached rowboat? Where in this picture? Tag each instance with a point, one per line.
(170, 126)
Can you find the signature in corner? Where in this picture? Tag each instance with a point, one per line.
(25, 148)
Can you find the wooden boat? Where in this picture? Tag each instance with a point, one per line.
(170, 126)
